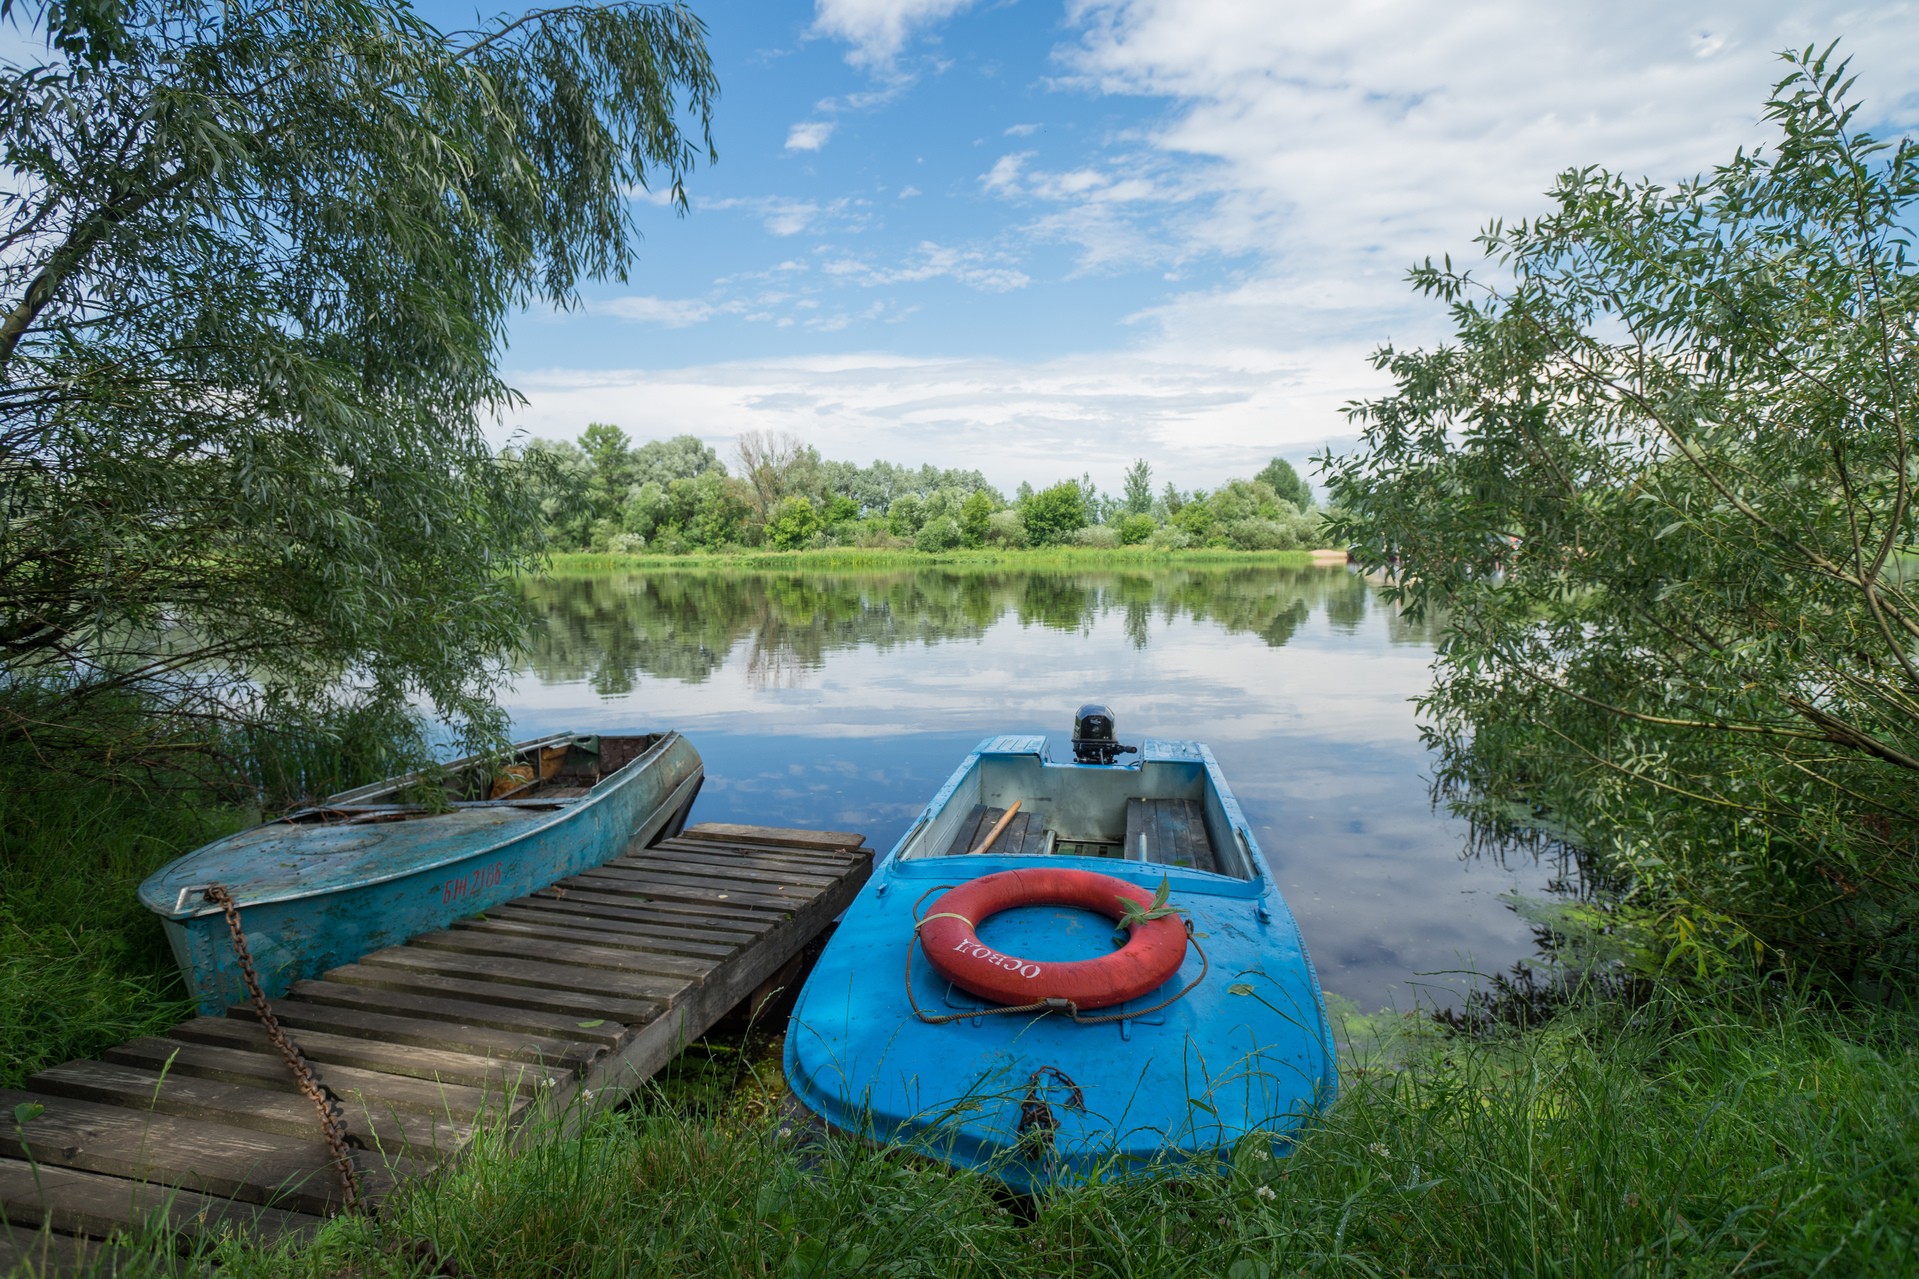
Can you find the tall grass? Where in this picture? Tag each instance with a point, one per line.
(82, 964)
(1680, 1137)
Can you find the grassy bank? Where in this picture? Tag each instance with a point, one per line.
(854, 558)
(1681, 1137)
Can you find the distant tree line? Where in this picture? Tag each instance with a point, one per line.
(675, 496)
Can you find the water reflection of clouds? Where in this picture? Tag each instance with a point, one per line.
(1312, 723)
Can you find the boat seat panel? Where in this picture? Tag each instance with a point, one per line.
(1170, 832)
(1025, 835)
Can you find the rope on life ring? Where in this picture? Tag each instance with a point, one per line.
(949, 933)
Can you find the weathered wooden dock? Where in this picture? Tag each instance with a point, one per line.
(554, 1004)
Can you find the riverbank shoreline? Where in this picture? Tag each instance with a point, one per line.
(835, 558)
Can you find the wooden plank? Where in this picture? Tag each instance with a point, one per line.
(570, 914)
(693, 851)
(1173, 831)
(1136, 824)
(581, 1005)
(784, 836)
(517, 1080)
(664, 941)
(1184, 826)
(621, 959)
(467, 1012)
(527, 972)
(1025, 836)
(547, 916)
(694, 914)
(829, 863)
(720, 901)
(90, 1203)
(214, 1159)
(740, 872)
(650, 885)
(31, 1254)
(240, 1105)
(568, 1054)
(355, 1087)
(978, 820)
(715, 919)
(815, 859)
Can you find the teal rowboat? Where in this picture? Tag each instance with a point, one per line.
(369, 868)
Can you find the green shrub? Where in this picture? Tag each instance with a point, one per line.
(1100, 536)
(941, 533)
(1170, 537)
(1006, 530)
(1262, 535)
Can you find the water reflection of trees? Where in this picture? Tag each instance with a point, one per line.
(609, 629)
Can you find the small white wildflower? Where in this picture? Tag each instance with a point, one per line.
(1264, 1156)
(1381, 1149)
(1266, 1192)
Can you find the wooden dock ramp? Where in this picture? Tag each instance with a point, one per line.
(557, 1003)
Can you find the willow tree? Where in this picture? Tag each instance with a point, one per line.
(1660, 487)
(256, 262)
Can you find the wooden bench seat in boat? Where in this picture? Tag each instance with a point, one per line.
(1171, 832)
(1026, 835)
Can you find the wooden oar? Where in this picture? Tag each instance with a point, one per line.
(993, 834)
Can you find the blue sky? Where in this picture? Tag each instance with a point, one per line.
(1041, 237)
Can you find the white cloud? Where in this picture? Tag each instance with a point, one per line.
(907, 193)
(809, 135)
(974, 268)
(1342, 142)
(782, 216)
(1022, 130)
(1004, 177)
(879, 29)
(670, 313)
(1009, 177)
(1198, 416)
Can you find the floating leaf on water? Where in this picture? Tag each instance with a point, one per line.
(1239, 988)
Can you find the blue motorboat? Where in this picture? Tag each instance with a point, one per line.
(916, 1029)
(374, 866)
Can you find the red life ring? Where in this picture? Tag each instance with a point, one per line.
(950, 934)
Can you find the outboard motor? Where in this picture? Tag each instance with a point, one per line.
(1093, 740)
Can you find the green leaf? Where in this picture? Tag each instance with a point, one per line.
(589, 1025)
(28, 1111)
(1239, 988)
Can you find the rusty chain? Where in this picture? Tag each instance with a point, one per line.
(332, 1125)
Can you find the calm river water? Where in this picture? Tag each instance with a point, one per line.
(843, 700)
